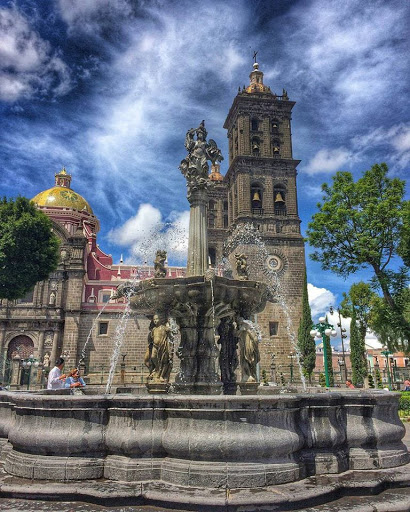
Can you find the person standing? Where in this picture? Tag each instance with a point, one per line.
(56, 377)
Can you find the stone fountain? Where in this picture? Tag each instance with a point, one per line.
(202, 451)
(213, 313)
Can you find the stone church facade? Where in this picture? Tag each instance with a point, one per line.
(73, 313)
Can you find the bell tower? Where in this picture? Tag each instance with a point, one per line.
(261, 191)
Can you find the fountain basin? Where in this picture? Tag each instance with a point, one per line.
(195, 441)
(243, 297)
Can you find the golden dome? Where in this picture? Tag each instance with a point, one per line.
(62, 195)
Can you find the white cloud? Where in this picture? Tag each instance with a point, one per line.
(28, 64)
(329, 161)
(89, 16)
(320, 299)
(352, 54)
(146, 232)
(395, 141)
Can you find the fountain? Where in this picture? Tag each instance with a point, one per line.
(195, 446)
(207, 308)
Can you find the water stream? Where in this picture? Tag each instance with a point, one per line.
(83, 352)
(247, 234)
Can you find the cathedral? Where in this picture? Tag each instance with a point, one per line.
(252, 210)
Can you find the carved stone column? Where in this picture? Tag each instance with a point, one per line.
(198, 234)
(54, 350)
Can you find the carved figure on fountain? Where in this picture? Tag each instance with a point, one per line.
(248, 350)
(228, 357)
(160, 354)
(242, 268)
(159, 263)
(195, 166)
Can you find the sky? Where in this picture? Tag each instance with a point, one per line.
(108, 89)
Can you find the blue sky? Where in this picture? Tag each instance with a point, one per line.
(108, 89)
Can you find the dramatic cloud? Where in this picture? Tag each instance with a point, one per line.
(146, 232)
(28, 64)
(319, 300)
(395, 141)
(328, 161)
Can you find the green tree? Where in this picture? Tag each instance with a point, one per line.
(28, 247)
(329, 360)
(389, 326)
(357, 352)
(306, 343)
(361, 224)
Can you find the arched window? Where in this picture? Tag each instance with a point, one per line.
(254, 125)
(279, 199)
(256, 198)
(212, 205)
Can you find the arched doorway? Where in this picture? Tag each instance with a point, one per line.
(22, 346)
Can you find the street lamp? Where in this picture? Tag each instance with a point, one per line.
(343, 336)
(27, 364)
(321, 330)
(386, 352)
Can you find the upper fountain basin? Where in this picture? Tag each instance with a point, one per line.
(244, 297)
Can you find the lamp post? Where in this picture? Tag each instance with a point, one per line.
(291, 356)
(321, 330)
(386, 352)
(343, 336)
(27, 364)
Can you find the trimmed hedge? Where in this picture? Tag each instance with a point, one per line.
(404, 402)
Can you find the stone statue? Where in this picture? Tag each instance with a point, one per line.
(248, 350)
(195, 166)
(52, 299)
(159, 264)
(46, 360)
(242, 268)
(159, 354)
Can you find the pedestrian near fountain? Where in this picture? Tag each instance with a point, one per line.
(56, 377)
(406, 385)
(349, 384)
(74, 380)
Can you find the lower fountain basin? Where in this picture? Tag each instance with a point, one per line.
(195, 441)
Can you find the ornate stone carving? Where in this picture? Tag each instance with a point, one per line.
(248, 350)
(195, 166)
(242, 268)
(159, 356)
(159, 264)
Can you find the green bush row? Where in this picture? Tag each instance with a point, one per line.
(404, 402)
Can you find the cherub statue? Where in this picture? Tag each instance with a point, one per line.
(242, 268)
(159, 263)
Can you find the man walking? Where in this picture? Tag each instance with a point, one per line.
(56, 377)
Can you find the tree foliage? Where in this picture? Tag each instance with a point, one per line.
(365, 224)
(357, 352)
(326, 341)
(306, 343)
(28, 247)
